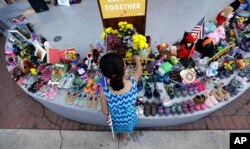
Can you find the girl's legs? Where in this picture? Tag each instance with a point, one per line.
(124, 135)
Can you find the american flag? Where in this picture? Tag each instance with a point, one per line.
(199, 29)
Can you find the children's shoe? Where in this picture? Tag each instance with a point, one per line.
(184, 107)
(146, 108)
(190, 106)
(165, 101)
(226, 94)
(211, 97)
(218, 95)
(70, 79)
(67, 97)
(139, 110)
(51, 93)
(170, 91)
(140, 85)
(94, 103)
(89, 101)
(156, 92)
(177, 90)
(184, 91)
(63, 81)
(148, 91)
(196, 100)
(178, 108)
(160, 109)
(202, 102)
(73, 98)
(153, 108)
(190, 90)
(173, 109)
(167, 110)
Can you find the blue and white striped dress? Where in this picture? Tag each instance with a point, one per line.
(122, 108)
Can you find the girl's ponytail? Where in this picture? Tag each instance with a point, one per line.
(117, 83)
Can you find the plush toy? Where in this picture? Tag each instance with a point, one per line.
(187, 45)
(235, 5)
(218, 34)
(162, 46)
(212, 69)
(206, 46)
(225, 15)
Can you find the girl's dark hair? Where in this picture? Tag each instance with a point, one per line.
(112, 67)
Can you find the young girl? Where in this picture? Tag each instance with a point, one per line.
(119, 98)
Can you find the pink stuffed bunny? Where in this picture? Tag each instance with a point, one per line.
(218, 34)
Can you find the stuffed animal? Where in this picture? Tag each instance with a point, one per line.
(187, 45)
(211, 71)
(207, 47)
(218, 34)
(225, 15)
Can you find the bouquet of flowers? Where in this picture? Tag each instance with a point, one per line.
(125, 41)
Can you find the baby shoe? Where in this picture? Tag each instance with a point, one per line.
(146, 108)
(165, 101)
(226, 94)
(202, 102)
(139, 110)
(177, 90)
(190, 90)
(173, 109)
(211, 97)
(178, 108)
(153, 108)
(190, 106)
(160, 109)
(148, 91)
(156, 92)
(94, 103)
(167, 110)
(140, 85)
(197, 105)
(170, 91)
(218, 95)
(184, 107)
(184, 91)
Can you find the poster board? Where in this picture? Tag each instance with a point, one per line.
(132, 11)
(130, 65)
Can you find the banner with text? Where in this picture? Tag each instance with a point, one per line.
(122, 8)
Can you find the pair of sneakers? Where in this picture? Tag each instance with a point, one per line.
(70, 97)
(66, 81)
(92, 102)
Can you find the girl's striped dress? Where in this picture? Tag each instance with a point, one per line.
(122, 108)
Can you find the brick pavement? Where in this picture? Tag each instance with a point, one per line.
(18, 110)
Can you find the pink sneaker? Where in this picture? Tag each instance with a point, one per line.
(51, 93)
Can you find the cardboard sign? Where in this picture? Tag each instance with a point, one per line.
(130, 65)
(122, 8)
